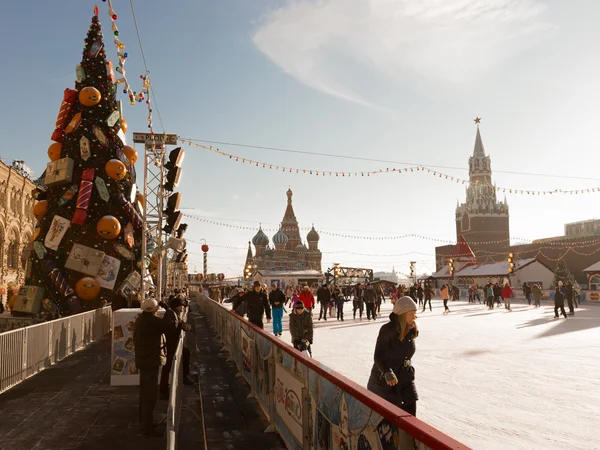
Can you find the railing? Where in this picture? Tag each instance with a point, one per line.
(27, 351)
(175, 396)
(310, 405)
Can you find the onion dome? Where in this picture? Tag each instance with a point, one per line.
(312, 235)
(300, 248)
(280, 238)
(260, 238)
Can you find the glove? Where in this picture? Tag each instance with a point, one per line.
(390, 378)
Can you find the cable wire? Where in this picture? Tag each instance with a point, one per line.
(361, 158)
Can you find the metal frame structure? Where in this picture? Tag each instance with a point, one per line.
(154, 194)
(338, 272)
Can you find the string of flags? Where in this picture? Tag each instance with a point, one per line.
(404, 170)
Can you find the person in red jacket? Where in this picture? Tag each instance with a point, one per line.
(507, 294)
(307, 298)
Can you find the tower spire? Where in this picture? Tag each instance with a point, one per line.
(478, 152)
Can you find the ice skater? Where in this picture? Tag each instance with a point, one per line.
(445, 293)
(559, 301)
(427, 293)
(507, 294)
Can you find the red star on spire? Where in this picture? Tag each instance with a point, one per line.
(477, 120)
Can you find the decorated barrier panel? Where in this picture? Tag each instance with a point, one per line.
(310, 405)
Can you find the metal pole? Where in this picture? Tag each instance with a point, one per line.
(205, 263)
(143, 270)
(161, 193)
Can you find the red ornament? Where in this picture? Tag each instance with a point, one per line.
(205, 248)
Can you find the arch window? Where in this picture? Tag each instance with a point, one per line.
(13, 252)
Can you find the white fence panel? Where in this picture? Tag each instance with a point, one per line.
(28, 350)
(12, 346)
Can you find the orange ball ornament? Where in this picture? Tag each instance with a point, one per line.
(124, 125)
(40, 209)
(54, 151)
(108, 227)
(130, 153)
(115, 169)
(87, 288)
(89, 96)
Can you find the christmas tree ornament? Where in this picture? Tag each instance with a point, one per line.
(68, 195)
(110, 72)
(57, 135)
(79, 73)
(112, 118)
(69, 97)
(84, 197)
(123, 125)
(87, 288)
(109, 272)
(130, 211)
(54, 151)
(95, 48)
(39, 250)
(84, 148)
(85, 260)
(57, 279)
(59, 172)
(89, 96)
(130, 153)
(102, 189)
(128, 233)
(40, 209)
(99, 134)
(108, 227)
(115, 169)
(36, 233)
(58, 228)
(49, 306)
(73, 124)
(124, 252)
(130, 285)
(133, 193)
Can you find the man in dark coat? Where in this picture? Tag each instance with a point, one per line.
(175, 325)
(301, 325)
(324, 297)
(370, 297)
(257, 304)
(149, 356)
(569, 296)
(236, 302)
(559, 301)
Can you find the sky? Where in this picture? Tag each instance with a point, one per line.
(384, 80)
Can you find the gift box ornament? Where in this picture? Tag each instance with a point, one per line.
(58, 228)
(29, 300)
(59, 172)
(131, 284)
(85, 260)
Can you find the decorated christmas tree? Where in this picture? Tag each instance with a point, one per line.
(87, 244)
(562, 273)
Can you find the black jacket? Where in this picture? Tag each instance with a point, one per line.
(391, 354)
(257, 305)
(559, 298)
(569, 292)
(147, 339)
(323, 295)
(370, 296)
(236, 301)
(276, 298)
(301, 326)
(173, 329)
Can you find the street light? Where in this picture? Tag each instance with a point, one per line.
(511, 264)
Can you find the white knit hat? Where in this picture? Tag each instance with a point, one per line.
(150, 305)
(404, 305)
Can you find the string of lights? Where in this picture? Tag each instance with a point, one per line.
(422, 169)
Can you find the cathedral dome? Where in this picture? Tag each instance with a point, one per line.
(312, 235)
(301, 248)
(260, 238)
(280, 238)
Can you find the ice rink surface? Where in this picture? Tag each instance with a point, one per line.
(491, 379)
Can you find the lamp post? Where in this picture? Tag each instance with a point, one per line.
(205, 258)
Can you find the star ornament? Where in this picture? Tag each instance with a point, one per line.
(477, 120)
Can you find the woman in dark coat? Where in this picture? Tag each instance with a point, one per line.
(393, 376)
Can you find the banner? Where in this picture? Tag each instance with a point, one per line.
(288, 401)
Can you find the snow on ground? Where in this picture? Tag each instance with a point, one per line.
(491, 379)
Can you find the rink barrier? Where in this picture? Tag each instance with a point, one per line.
(175, 396)
(308, 404)
(29, 350)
